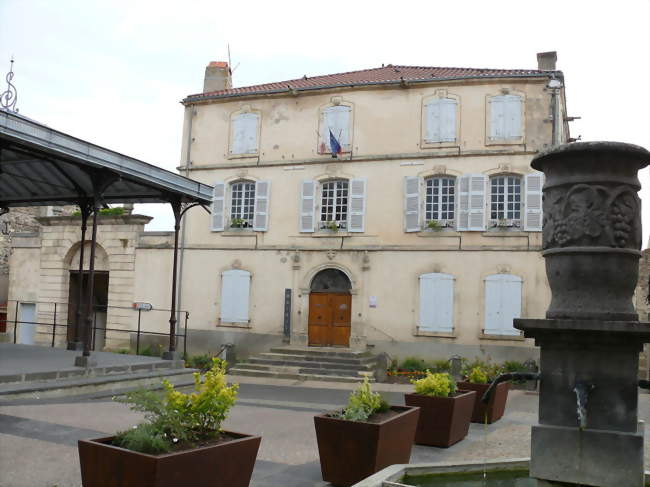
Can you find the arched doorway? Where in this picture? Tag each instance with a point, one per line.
(330, 312)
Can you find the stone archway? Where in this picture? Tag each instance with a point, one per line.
(330, 309)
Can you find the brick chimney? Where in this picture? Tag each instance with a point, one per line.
(217, 77)
(546, 60)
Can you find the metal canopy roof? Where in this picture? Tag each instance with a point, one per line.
(40, 166)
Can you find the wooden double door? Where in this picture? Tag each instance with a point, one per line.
(329, 319)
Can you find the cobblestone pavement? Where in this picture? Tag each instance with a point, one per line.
(38, 439)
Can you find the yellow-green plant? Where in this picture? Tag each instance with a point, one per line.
(438, 385)
(176, 420)
(477, 376)
(363, 403)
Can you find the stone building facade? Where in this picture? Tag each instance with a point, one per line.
(393, 208)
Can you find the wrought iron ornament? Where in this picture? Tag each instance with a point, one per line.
(9, 97)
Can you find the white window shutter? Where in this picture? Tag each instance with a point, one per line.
(463, 203)
(357, 205)
(249, 126)
(497, 117)
(436, 303)
(447, 120)
(307, 205)
(411, 204)
(502, 304)
(261, 212)
(337, 119)
(218, 194)
(432, 114)
(323, 134)
(533, 217)
(235, 296)
(512, 116)
(476, 216)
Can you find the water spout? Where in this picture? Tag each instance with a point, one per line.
(508, 376)
(582, 390)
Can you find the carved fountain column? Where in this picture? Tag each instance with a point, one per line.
(588, 431)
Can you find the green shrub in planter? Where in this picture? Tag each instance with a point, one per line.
(177, 421)
(477, 375)
(363, 403)
(438, 385)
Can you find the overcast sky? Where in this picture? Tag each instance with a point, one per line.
(113, 72)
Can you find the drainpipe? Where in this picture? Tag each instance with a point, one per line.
(188, 151)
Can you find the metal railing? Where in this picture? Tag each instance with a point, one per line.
(56, 316)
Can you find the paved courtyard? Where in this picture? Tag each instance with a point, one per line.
(38, 439)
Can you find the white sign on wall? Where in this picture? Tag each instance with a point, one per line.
(372, 301)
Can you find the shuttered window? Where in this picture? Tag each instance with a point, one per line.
(436, 303)
(235, 296)
(505, 201)
(334, 204)
(502, 304)
(307, 205)
(337, 120)
(242, 204)
(440, 120)
(440, 200)
(506, 117)
(533, 216)
(243, 137)
(357, 206)
(218, 191)
(471, 202)
(261, 209)
(411, 204)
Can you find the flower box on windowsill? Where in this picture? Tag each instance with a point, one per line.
(332, 227)
(439, 225)
(503, 223)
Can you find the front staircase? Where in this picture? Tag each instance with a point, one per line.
(310, 363)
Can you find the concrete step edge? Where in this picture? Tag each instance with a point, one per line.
(317, 377)
(42, 387)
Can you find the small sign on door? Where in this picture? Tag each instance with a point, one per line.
(372, 301)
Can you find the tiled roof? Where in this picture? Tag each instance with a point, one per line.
(384, 75)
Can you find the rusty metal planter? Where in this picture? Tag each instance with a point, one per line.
(353, 450)
(443, 420)
(227, 464)
(495, 408)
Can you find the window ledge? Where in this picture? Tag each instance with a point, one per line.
(440, 145)
(508, 232)
(239, 232)
(438, 334)
(438, 233)
(222, 324)
(330, 234)
(512, 338)
(243, 156)
(513, 141)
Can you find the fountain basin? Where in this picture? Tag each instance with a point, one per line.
(443, 474)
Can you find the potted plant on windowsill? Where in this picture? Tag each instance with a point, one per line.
(435, 225)
(445, 412)
(365, 437)
(330, 226)
(479, 379)
(238, 224)
(181, 443)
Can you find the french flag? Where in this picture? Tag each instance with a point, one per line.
(335, 147)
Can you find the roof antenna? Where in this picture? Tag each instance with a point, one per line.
(230, 68)
(9, 97)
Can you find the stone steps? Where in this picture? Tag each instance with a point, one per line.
(310, 363)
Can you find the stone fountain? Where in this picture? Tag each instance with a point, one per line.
(588, 431)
